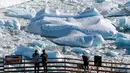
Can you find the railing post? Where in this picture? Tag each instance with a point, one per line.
(111, 67)
(24, 65)
(3, 65)
(65, 64)
(97, 69)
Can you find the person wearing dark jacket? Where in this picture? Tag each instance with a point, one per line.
(85, 61)
(35, 57)
(44, 57)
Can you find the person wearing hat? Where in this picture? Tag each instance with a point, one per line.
(35, 57)
(85, 61)
(44, 57)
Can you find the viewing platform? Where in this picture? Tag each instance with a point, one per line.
(62, 65)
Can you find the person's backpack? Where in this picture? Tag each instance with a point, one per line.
(35, 58)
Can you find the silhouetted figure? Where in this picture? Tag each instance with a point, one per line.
(85, 61)
(36, 61)
(44, 57)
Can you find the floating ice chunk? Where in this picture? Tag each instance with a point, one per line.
(105, 7)
(122, 23)
(10, 23)
(119, 35)
(111, 54)
(100, 1)
(33, 44)
(127, 6)
(49, 11)
(123, 41)
(54, 54)
(28, 52)
(24, 51)
(117, 12)
(80, 50)
(21, 13)
(88, 13)
(80, 40)
(108, 29)
(97, 40)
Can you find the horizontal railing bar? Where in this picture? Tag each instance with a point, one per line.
(42, 70)
(39, 66)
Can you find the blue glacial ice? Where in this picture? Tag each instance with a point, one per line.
(80, 50)
(54, 25)
(28, 51)
(123, 42)
(124, 23)
(11, 23)
(111, 54)
(80, 40)
(100, 1)
(127, 6)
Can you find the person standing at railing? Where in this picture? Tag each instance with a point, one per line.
(85, 61)
(44, 57)
(36, 61)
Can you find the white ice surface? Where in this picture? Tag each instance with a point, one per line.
(6, 3)
(26, 13)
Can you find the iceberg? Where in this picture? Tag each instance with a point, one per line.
(11, 23)
(26, 13)
(55, 26)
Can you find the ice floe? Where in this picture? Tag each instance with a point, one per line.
(11, 23)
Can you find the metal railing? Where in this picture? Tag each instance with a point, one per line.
(64, 65)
